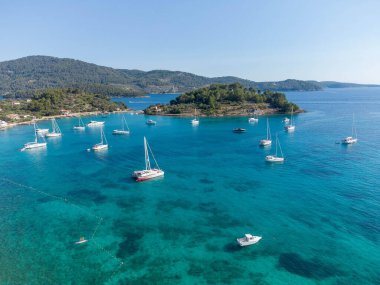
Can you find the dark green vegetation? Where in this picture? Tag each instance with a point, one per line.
(226, 99)
(52, 102)
(21, 77)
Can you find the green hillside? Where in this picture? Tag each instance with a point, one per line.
(21, 76)
(226, 100)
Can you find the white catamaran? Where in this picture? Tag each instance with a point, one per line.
(81, 126)
(55, 132)
(195, 121)
(35, 143)
(148, 172)
(103, 145)
(354, 137)
(268, 140)
(275, 158)
(290, 127)
(124, 128)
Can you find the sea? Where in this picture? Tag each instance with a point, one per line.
(318, 212)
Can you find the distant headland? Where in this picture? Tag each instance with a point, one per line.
(225, 100)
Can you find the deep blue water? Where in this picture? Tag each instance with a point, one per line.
(318, 212)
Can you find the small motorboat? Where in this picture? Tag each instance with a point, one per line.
(349, 140)
(253, 120)
(248, 239)
(239, 130)
(81, 240)
(195, 122)
(95, 124)
(286, 120)
(151, 122)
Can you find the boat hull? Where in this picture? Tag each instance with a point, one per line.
(290, 128)
(120, 132)
(33, 146)
(42, 131)
(52, 135)
(253, 120)
(274, 159)
(144, 175)
(195, 122)
(349, 140)
(239, 131)
(244, 242)
(265, 142)
(95, 124)
(99, 147)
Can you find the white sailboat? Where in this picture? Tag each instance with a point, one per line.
(124, 128)
(35, 143)
(40, 131)
(275, 158)
(103, 145)
(354, 137)
(148, 172)
(80, 125)
(268, 140)
(290, 127)
(55, 132)
(95, 124)
(195, 121)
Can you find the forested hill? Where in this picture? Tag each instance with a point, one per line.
(226, 100)
(21, 76)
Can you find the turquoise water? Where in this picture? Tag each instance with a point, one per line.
(144, 102)
(318, 212)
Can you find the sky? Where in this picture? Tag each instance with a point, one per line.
(258, 40)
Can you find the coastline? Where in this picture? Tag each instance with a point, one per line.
(262, 113)
(84, 114)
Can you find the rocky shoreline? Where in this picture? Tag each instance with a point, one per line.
(84, 114)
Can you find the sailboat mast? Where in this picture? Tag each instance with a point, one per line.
(276, 144)
(354, 134)
(280, 148)
(147, 162)
(35, 133)
(291, 117)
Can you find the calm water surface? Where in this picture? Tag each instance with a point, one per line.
(318, 212)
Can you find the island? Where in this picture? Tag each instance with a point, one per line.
(225, 100)
(58, 102)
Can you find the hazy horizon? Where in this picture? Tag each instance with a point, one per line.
(274, 41)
